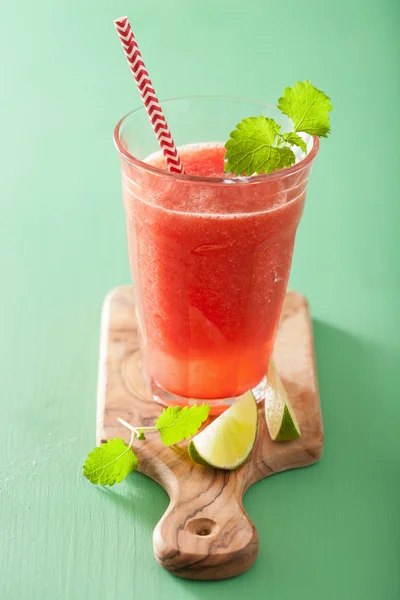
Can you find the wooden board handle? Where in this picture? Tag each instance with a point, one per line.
(206, 535)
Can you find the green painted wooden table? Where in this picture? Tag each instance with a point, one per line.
(327, 532)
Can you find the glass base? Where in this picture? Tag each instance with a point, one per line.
(217, 406)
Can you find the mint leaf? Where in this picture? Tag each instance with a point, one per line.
(257, 144)
(308, 108)
(295, 140)
(176, 424)
(250, 148)
(110, 463)
(114, 460)
(286, 158)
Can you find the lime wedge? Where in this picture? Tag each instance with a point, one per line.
(281, 420)
(227, 442)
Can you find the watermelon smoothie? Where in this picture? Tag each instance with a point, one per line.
(210, 257)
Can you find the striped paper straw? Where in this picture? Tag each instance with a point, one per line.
(148, 95)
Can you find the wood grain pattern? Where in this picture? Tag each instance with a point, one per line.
(205, 532)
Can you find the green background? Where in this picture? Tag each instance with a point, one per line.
(327, 532)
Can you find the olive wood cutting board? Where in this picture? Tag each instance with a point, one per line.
(205, 533)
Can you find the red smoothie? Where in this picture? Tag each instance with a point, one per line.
(210, 262)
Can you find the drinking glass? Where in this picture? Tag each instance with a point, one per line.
(210, 257)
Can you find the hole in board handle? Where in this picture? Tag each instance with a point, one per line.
(202, 527)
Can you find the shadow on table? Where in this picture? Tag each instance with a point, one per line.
(139, 495)
(357, 382)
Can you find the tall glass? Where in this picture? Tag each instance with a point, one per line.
(210, 257)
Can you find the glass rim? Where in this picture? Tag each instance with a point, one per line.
(237, 180)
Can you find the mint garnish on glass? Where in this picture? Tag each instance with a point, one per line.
(111, 462)
(257, 145)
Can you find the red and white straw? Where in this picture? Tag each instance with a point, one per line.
(148, 95)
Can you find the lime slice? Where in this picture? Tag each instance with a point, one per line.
(281, 420)
(227, 442)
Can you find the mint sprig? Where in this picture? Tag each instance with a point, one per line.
(257, 145)
(308, 108)
(251, 148)
(111, 462)
(176, 424)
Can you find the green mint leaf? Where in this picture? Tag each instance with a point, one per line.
(295, 140)
(308, 108)
(141, 436)
(286, 157)
(176, 424)
(250, 148)
(110, 463)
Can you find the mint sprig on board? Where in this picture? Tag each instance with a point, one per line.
(257, 145)
(111, 462)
